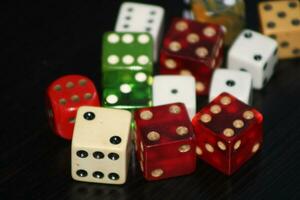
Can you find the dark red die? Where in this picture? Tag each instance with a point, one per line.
(165, 141)
(64, 96)
(192, 48)
(228, 133)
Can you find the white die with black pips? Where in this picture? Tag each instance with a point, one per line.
(255, 53)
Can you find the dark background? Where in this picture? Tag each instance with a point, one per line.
(42, 41)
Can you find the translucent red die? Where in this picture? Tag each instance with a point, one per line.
(192, 48)
(164, 141)
(228, 133)
(63, 97)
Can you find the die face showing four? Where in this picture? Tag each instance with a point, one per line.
(281, 21)
(137, 17)
(255, 53)
(237, 83)
(174, 88)
(228, 13)
(192, 48)
(164, 141)
(100, 149)
(228, 133)
(64, 96)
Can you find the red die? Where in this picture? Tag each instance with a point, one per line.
(64, 96)
(192, 48)
(228, 132)
(165, 141)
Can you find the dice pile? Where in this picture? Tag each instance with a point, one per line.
(158, 113)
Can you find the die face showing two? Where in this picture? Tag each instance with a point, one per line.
(192, 48)
(64, 96)
(100, 148)
(137, 17)
(281, 21)
(168, 89)
(228, 133)
(164, 141)
(255, 53)
(237, 83)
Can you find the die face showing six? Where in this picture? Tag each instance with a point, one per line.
(164, 141)
(174, 88)
(228, 133)
(255, 53)
(237, 83)
(64, 96)
(100, 149)
(281, 21)
(228, 13)
(192, 48)
(137, 17)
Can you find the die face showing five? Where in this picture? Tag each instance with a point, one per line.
(237, 83)
(164, 141)
(174, 88)
(100, 149)
(228, 133)
(192, 48)
(281, 21)
(137, 17)
(255, 53)
(64, 96)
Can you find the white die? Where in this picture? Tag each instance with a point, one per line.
(237, 83)
(138, 17)
(175, 88)
(101, 145)
(255, 53)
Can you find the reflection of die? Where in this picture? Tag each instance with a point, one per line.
(164, 141)
(192, 48)
(235, 82)
(255, 53)
(228, 133)
(137, 17)
(100, 149)
(281, 21)
(64, 96)
(174, 88)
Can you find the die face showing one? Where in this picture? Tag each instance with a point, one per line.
(100, 148)
(164, 141)
(228, 133)
(138, 17)
(64, 96)
(192, 48)
(228, 13)
(255, 53)
(174, 88)
(237, 83)
(281, 21)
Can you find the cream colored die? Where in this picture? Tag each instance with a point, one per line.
(101, 145)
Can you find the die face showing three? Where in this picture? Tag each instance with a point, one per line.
(192, 48)
(228, 133)
(255, 53)
(281, 21)
(64, 96)
(100, 149)
(138, 17)
(164, 141)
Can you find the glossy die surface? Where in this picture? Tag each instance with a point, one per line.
(192, 48)
(100, 148)
(127, 70)
(64, 96)
(228, 133)
(281, 21)
(164, 141)
(228, 13)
